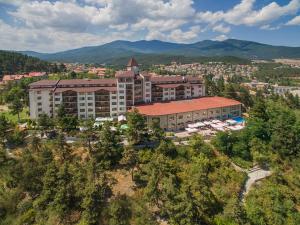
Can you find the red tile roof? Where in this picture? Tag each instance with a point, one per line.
(174, 78)
(173, 107)
(7, 78)
(158, 79)
(85, 89)
(125, 74)
(43, 83)
(87, 82)
(74, 83)
(169, 85)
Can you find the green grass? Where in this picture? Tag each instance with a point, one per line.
(298, 113)
(242, 163)
(14, 118)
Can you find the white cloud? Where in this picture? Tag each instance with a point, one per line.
(177, 35)
(221, 28)
(269, 27)
(294, 21)
(184, 36)
(75, 23)
(244, 14)
(158, 25)
(50, 40)
(221, 37)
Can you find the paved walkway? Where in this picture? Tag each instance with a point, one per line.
(254, 175)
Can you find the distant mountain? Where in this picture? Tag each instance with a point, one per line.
(123, 49)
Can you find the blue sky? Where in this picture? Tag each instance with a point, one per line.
(56, 25)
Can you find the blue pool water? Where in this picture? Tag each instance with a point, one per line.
(239, 119)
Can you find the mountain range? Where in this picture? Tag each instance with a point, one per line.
(112, 51)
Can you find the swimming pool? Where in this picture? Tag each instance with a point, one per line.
(239, 119)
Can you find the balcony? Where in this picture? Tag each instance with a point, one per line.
(101, 104)
(70, 99)
(101, 99)
(102, 109)
(104, 114)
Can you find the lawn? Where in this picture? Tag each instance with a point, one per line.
(298, 113)
(14, 118)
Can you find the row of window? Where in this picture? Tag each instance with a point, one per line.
(89, 110)
(196, 114)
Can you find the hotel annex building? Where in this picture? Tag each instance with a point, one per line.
(92, 98)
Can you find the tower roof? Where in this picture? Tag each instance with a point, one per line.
(132, 62)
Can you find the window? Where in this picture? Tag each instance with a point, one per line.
(39, 98)
(82, 116)
(90, 98)
(121, 103)
(114, 109)
(82, 110)
(113, 97)
(90, 104)
(113, 103)
(121, 92)
(81, 104)
(121, 86)
(180, 117)
(90, 110)
(122, 97)
(39, 104)
(147, 84)
(57, 99)
(38, 92)
(147, 90)
(82, 98)
(148, 95)
(39, 109)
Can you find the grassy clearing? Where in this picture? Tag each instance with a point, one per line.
(298, 113)
(24, 115)
(242, 163)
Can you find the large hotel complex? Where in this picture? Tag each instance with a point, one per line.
(175, 100)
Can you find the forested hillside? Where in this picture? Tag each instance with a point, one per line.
(12, 63)
(118, 49)
(48, 181)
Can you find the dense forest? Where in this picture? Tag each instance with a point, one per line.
(148, 60)
(278, 73)
(14, 63)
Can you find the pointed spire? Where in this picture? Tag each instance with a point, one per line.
(132, 62)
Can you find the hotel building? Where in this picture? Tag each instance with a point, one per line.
(176, 115)
(92, 98)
